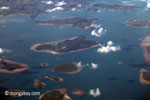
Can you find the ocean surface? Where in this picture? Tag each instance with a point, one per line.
(117, 75)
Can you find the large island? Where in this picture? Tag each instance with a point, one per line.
(67, 68)
(7, 66)
(70, 45)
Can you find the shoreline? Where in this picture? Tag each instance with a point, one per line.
(33, 47)
(142, 81)
(73, 72)
(25, 67)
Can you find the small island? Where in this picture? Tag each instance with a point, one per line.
(145, 44)
(144, 76)
(76, 22)
(138, 23)
(38, 84)
(66, 46)
(55, 79)
(44, 64)
(12, 92)
(57, 94)
(7, 66)
(67, 68)
(78, 92)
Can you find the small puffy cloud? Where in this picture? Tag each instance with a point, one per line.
(48, 2)
(55, 9)
(4, 8)
(4, 50)
(79, 5)
(108, 48)
(98, 30)
(95, 92)
(61, 3)
(79, 64)
(94, 66)
(147, 3)
(73, 9)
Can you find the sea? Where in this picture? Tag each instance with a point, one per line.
(117, 75)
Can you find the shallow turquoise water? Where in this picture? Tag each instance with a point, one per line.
(125, 86)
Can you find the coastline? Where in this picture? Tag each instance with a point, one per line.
(25, 67)
(73, 72)
(33, 47)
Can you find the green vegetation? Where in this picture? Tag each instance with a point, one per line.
(66, 67)
(76, 22)
(67, 45)
(146, 76)
(10, 66)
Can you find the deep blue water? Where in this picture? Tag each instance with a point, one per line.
(116, 81)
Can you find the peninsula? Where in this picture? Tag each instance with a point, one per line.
(66, 46)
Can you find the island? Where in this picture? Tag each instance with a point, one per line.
(144, 76)
(57, 94)
(38, 84)
(78, 92)
(8, 66)
(55, 79)
(66, 46)
(117, 7)
(145, 44)
(75, 22)
(67, 68)
(44, 64)
(138, 23)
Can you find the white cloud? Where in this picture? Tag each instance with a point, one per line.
(79, 64)
(55, 9)
(98, 30)
(4, 50)
(61, 3)
(147, 3)
(73, 9)
(108, 48)
(94, 66)
(79, 5)
(4, 8)
(95, 92)
(48, 2)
